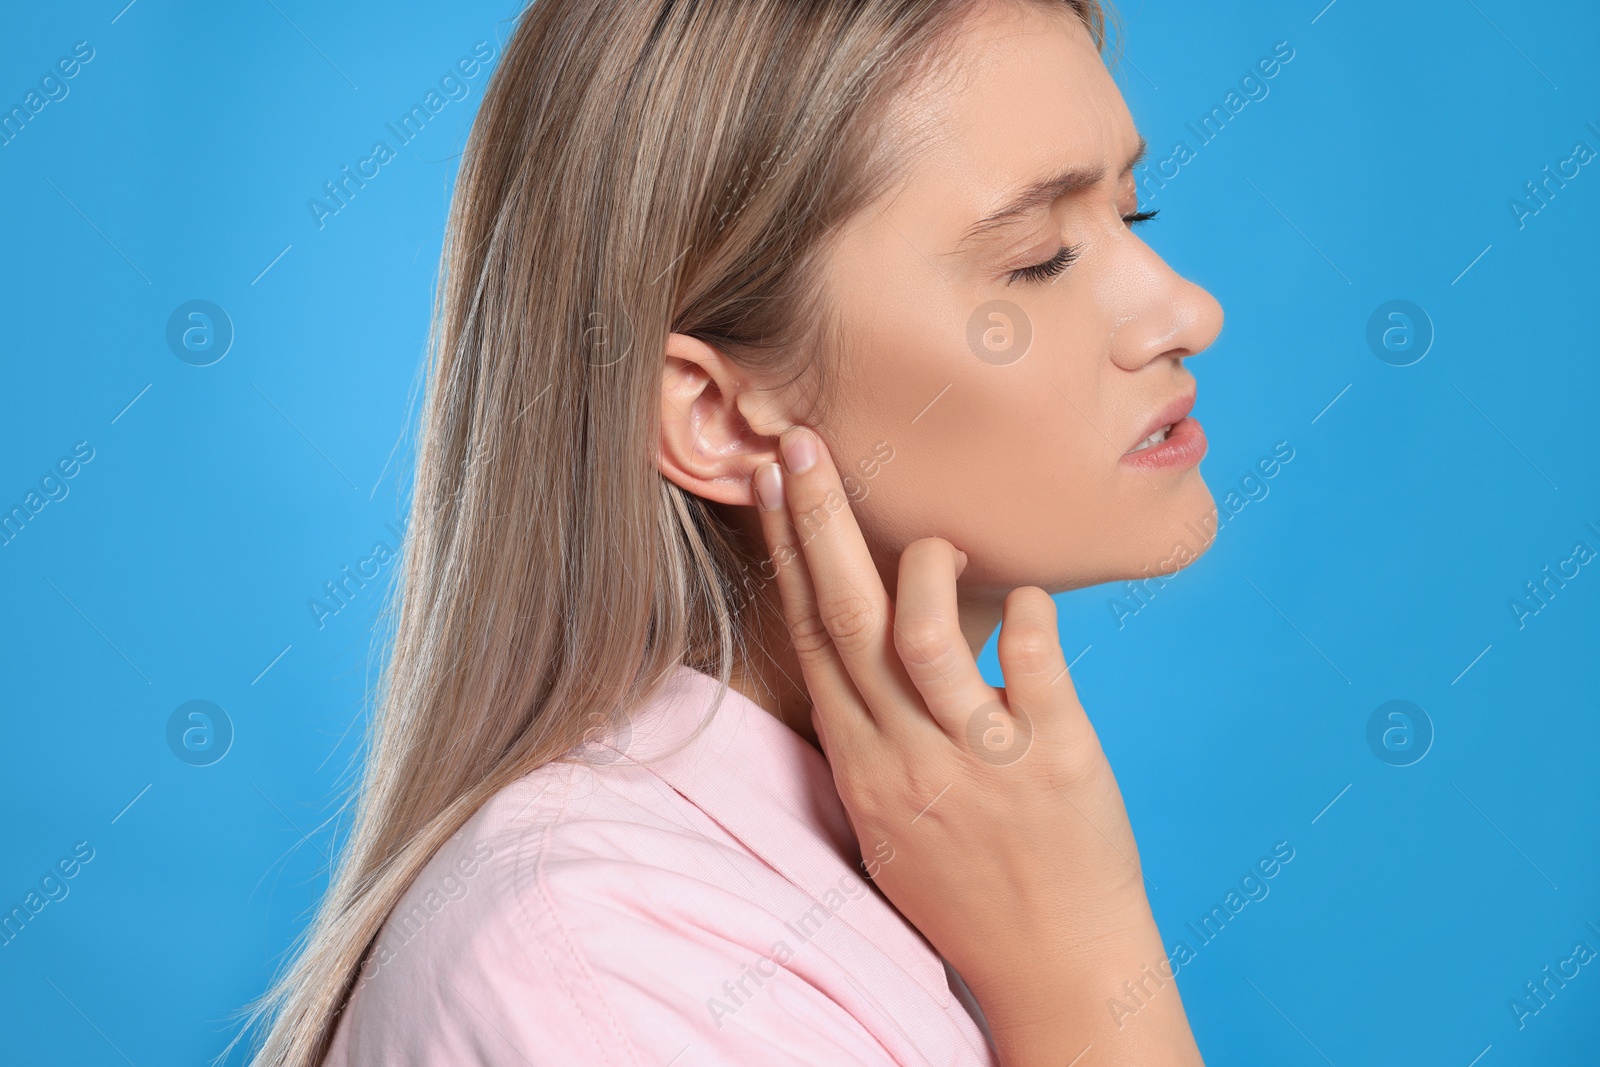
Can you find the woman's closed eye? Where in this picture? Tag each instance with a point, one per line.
(1064, 258)
(1049, 268)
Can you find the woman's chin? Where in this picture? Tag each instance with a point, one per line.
(1176, 538)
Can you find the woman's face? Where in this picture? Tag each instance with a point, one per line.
(995, 405)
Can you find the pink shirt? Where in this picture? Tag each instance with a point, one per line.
(706, 908)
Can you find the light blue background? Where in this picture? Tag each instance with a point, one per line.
(1234, 705)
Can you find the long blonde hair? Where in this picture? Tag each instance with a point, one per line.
(637, 167)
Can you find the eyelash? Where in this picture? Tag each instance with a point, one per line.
(1063, 259)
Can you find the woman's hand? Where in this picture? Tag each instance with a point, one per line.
(989, 817)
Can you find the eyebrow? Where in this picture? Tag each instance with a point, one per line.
(1047, 191)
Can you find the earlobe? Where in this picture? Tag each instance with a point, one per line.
(707, 446)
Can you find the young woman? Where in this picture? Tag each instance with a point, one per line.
(784, 350)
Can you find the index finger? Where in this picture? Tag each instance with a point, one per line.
(851, 601)
(839, 709)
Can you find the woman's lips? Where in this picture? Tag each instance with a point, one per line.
(1185, 444)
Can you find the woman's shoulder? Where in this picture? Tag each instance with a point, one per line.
(502, 936)
(684, 886)
(558, 843)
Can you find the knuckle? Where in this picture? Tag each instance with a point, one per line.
(1028, 640)
(1030, 651)
(1080, 763)
(859, 796)
(809, 634)
(923, 642)
(853, 622)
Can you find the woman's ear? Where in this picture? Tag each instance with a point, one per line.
(716, 426)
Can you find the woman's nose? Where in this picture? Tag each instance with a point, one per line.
(1165, 315)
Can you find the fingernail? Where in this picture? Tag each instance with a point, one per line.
(769, 487)
(799, 450)
(961, 562)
